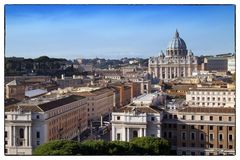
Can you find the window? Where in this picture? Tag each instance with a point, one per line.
(230, 137)
(175, 117)
(218, 98)
(118, 136)
(202, 136)
(183, 136)
(208, 98)
(220, 137)
(220, 128)
(230, 147)
(192, 144)
(21, 132)
(220, 118)
(38, 134)
(229, 99)
(202, 153)
(211, 118)
(152, 119)
(165, 134)
(220, 146)
(229, 118)
(184, 117)
(169, 134)
(37, 116)
(38, 143)
(184, 144)
(211, 137)
(201, 127)
(192, 136)
(230, 128)
(211, 146)
(174, 125)
(170, 116)
(192, 117)
(193, 98)
(198, 98)
(6, 142)
(203, 98)
(5, 116)
(92, 109)
(192, 126)
(118, 117)
(5, 134)
(183, 127)
(135, 134)
(202, 118)
(213, 98)
(183, 152)
(192, 153)
(88, 109)
(5, 151)
(202, 145)
(169, 125)
(210, 127)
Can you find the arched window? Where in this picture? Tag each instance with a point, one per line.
(21, 132)
(135, 134)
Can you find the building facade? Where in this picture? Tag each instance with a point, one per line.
(206, 131)
(178, 61)
(34, 122)
(211, 97)
(100, 102)
(139, 119)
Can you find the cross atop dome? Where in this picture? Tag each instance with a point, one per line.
(176, 34)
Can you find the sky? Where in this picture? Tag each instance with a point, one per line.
(116, 31)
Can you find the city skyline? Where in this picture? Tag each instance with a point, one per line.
(116, 31)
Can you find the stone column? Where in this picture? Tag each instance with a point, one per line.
(170, 69)
(10, 136)
(156, 71)
(113, 133)
(178, 72)
(184, 71)
(174, 71)
(140, 132)
(161, 73)
(125, 134)
(25, 136)
(14, 135)
(30, 135)
(166, 73)
(128, 134)
(144, 132)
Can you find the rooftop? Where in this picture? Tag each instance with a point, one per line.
(145, 109)
(10, 101)
(208, 110)
(60, 102)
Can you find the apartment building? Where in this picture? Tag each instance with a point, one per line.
(211, 97)
(100, 102)
(39, 120)
(206, 131)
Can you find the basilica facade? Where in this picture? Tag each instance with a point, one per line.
(177, 62)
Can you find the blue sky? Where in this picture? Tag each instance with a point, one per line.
(116, 31)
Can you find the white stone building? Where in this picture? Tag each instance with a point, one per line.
(34, 122)
(211, 97)
(137, 120)
(178, 61)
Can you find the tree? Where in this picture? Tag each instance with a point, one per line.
(59, 147)
(152, 145)
(94, 147)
